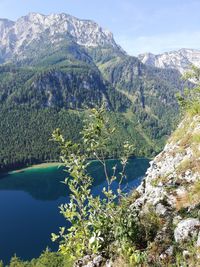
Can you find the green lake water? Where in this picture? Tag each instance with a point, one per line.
(29, 202)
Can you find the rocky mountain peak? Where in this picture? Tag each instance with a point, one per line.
(181, 59)
(5, 25)
(19, 35)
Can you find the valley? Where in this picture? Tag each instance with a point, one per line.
(80, 120)
(55, 70)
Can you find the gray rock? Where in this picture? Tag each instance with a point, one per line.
(90, 264)
(137, 205)
(198, 240)
(86, 259)
(29, 29)
(141, 188)
(98, 260)
(170, 251)
(181, 59)
(161, 209)
(109, 263)
(186, 230)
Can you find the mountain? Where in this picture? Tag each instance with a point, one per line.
(180, 60)
(33, 30)
(58, 64)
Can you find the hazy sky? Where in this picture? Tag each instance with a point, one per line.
(138, 25)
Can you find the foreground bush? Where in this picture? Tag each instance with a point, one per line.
(104, 224)
(47, 259)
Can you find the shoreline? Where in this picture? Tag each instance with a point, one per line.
(43, 165)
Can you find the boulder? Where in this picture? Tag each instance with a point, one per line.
(186, 230)
(161, 209)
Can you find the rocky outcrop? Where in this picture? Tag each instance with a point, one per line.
(186, 229)
(171, 190)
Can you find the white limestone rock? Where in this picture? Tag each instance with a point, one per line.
(19, 35)
(161, 209)
(186, 229)
(168, 252)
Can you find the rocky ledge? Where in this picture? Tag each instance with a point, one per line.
(171, 190)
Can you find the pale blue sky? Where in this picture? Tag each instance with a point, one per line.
(138, 25)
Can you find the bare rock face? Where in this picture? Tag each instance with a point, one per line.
(186, 230)
(180, 60)
(174, 171)
(20, 35)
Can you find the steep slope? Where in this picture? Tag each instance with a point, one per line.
(150, 90)
(171, 194)
(180, 60)
(75, 88)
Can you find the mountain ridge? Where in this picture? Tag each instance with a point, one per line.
(40, 74)
(19, 35)
(181, 59)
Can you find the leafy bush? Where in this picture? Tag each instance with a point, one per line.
(46, 259)
(98, 224)
(190, 99)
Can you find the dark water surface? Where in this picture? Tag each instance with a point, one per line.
(29, 203)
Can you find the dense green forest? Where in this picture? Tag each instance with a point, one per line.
(25, 134)
(55, 87)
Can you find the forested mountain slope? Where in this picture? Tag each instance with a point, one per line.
(150, 90)
(59, 64)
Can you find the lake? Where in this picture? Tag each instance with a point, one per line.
(29, 202)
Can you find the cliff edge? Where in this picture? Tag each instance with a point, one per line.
(171, 194)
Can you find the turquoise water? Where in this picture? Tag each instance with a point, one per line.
(29, 203)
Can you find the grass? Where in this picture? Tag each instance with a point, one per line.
(179, 133)
(186, 132)
(194, 108)
(190, 197)
(192, 164)
(196, 138)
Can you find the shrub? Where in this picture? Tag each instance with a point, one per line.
(190, 99)
(106, 224)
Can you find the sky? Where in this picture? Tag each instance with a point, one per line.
(139, 26)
